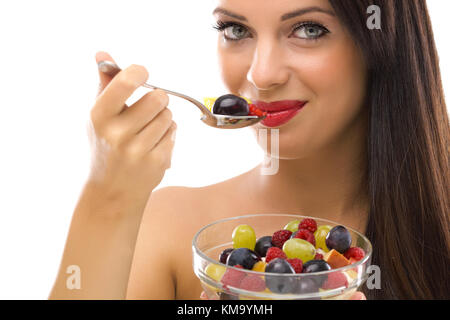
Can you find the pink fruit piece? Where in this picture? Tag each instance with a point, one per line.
(253, 283)
(335, 280)
(233, 277)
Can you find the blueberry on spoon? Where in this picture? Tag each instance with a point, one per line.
(231, 105)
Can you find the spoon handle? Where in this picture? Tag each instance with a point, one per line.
(112, 70)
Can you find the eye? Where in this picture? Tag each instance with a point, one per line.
(309, 31)
(232, 31)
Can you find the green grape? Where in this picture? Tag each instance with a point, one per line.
(292, 225)
(244, 237)
(320, 234)
(215, 271)
(299, 248)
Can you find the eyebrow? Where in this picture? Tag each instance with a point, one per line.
(300, 12)
(229, 13)
(284, 17)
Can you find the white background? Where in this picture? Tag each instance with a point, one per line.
(48, 83)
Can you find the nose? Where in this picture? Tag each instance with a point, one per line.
(267, 69)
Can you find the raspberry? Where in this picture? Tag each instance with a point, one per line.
(309, 224)
(233, 277)
(335, 280)
(253, 283)
(305, 234)
(297, 264)
(273, 253)
(280, 237)
(318, 256)
(253, 111)
(354, 252)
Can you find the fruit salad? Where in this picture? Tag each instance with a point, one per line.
(300, 247)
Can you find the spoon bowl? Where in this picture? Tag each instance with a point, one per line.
(209, 118)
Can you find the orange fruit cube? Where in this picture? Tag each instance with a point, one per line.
(335, 259)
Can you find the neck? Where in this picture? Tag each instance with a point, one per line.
(329, 184)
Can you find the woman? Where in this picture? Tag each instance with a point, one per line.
(368, 149)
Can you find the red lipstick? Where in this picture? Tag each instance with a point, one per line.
(279, 112)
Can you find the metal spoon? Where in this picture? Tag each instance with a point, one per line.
(211, 119)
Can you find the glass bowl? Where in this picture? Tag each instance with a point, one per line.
(212, 239)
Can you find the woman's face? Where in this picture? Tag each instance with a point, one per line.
(293, 50)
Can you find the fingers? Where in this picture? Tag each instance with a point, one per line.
(161, 154)
(358, 296)
(111, 100)
(137, 116)
(204, 296)
(104, 78)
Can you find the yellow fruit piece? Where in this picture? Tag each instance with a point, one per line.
(215, 271)
(260, 266)
(246, 99)
(320, 235)
(292, 225)
(351, 275)
(244, 236)
(209, 103)
(299, 248)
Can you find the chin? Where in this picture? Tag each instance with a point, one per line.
(292, 144)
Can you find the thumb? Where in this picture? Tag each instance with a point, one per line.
(104, 78)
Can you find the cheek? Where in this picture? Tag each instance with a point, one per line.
(233, 68)
(335, 80)
(341, 89)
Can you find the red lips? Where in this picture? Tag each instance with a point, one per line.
(279, 112)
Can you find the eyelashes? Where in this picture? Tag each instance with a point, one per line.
(221, 25)
(234, 31)
(238, 31)
(306, 26)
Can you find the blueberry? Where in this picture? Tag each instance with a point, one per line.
(317, 266)
(243, 256)
(278, 284)
(306, 285)
(231, 105)
(224, 255)
(338, 239)
(262, 245)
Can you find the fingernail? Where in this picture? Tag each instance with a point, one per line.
(108, 67)
(174, 134)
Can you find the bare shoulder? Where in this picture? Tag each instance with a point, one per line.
(163, 253)
(205, 201)
(171, 218)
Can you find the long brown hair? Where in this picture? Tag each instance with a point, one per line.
(407, 148)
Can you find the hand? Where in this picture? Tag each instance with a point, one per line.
(356, 296)
(131, 146)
